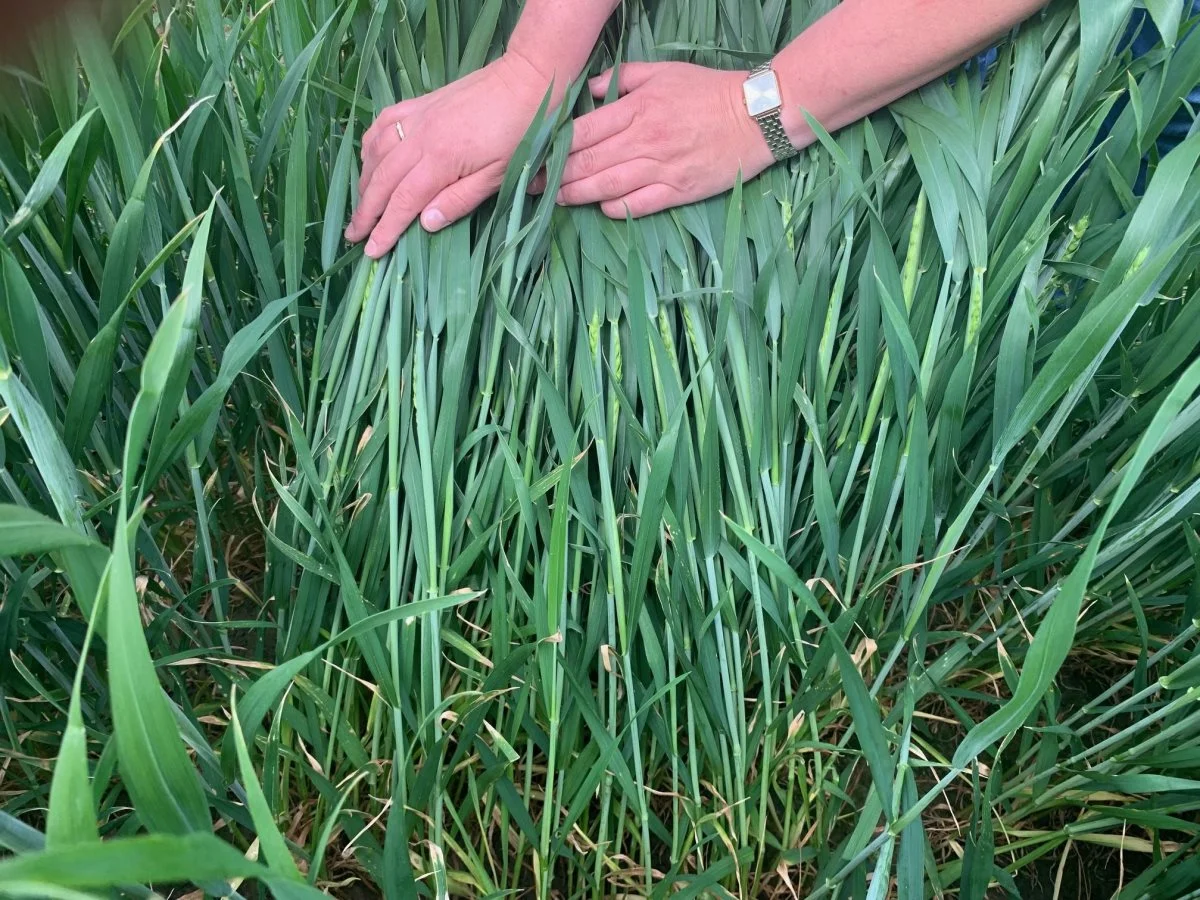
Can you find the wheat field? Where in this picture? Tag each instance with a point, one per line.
(835, 538)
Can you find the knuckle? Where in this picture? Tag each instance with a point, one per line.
(406, 201)
(453, 197)
(458, 160)
(375, 183)
(374, 196)
(402, 201)
(386, 174)
(380, 141)
(372, 134)
(376, 205)
(610, 184)
(584, 128)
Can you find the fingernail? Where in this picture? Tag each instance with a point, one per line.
(559, 198)
(433, 220)
(372, 247)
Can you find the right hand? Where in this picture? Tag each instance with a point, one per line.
(457, 144)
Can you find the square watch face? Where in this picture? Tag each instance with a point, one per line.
(762, 93)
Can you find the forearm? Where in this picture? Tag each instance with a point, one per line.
(556, 37)
(866, 53)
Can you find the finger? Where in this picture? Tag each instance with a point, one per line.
(461, 198)
(598, 86)
(411, 196)
(383, 137)
(610, 184)
(630, 76)
(386, 121)
(588, 161)
(537, 184)
(645, 200)
(376, 152)
(374, 199)
(601, 124)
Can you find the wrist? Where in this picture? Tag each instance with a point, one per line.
(543, 71)
(556, 37)
(799, 132)
(754, 155)
(536, 75)
(764, 97)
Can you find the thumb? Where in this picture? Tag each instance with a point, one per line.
(630, 76)
(461, 198)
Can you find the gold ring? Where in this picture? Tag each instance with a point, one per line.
(400, 130)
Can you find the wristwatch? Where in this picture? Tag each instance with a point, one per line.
(763, 102)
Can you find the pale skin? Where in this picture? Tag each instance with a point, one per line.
(677, 132)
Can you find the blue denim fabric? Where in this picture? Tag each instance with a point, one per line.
(1141, 37)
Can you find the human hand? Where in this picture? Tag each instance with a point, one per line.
(457, 143)
(679, 133)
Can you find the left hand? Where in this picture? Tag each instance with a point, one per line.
(450, 153)
(677, 134)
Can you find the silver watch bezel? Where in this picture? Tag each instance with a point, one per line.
(764, 75)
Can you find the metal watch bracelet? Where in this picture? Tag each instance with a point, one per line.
(780, 144)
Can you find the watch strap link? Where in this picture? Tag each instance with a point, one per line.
(777, 139)
(780, 144)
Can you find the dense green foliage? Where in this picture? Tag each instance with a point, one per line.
(832, 538)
